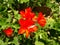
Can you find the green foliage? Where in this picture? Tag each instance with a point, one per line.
(9, 16)
(39, 43)
(23, 1)
(15, 41)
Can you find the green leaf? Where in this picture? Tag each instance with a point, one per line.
(23, 1)
(53, 42)
(11, 1)
(15, 26)
(2, 43)
(15, 41)
(16, 15)
(39, 43)
(43, 35)
(50, 23)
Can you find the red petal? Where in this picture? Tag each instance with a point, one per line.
(34, 18)
(27, 33)
(32, 14)
(21, 31)
(26, 23)
(40, 15)
(22, 22)
(22, 13)
(28, 9)
(42, 22)
(33, 29)
(28, 14)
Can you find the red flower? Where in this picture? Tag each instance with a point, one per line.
(27, 31)
(8, 32)
(28, 14)
(41, 19)
(27, 22)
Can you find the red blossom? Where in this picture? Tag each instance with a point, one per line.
(8, 32)
(41, 19)
(27, 22)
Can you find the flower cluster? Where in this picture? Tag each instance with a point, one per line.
(27, 23)
(28, 20)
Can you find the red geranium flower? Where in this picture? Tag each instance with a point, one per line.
(27, 22)
(41, 19)
(8, 32)
(28, 14)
